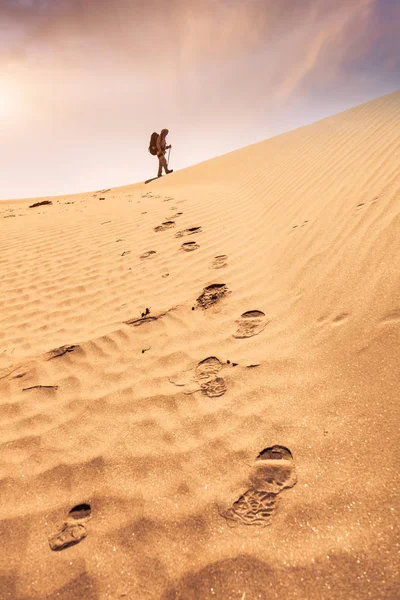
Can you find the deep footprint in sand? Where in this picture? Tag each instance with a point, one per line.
(212, 294)
(207, 368)
(61, 351)
(206, 376)
(148, 254)
(73, 529)
(250, 323)
(219, 262)
(272, 472)
(190, 246)
(214, 388)
(165, 225)
(189, 231)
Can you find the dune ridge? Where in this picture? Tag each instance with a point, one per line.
(130, 386)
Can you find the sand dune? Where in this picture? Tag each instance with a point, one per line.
(199, 377)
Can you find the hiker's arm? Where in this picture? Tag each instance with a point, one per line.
(159, 144)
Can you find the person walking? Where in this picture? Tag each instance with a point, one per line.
(161, 149)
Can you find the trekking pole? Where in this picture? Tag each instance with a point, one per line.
(169, 152)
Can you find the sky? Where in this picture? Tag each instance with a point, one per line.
(84, 83)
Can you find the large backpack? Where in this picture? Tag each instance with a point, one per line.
(153, 144)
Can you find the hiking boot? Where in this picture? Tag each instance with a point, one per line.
(169, 171)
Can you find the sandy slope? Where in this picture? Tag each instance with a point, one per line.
(309, 225)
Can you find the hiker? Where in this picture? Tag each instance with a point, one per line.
(161, 149)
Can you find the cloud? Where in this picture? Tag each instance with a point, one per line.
(271, 50)
(283, 42)
(324, 45)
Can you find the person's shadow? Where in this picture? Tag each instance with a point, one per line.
(152, 179)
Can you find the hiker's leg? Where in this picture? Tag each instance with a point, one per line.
(160, 166)
(163, 163)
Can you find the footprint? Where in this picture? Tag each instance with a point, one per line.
(212, 294)
(340, 319)
(190, 246)
(148, 254)
(214, 388)
(176, 215)
(165, 225)
(208, 368)
(272, 472)
(250, 323)
(203, 378)
(189, 231)
(73, 529)
(219, 262)
(62, 350)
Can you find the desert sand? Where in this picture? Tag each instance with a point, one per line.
(164, 439)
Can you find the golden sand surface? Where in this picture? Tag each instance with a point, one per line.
(199, 377)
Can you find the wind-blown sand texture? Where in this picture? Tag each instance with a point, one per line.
(179, 427)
